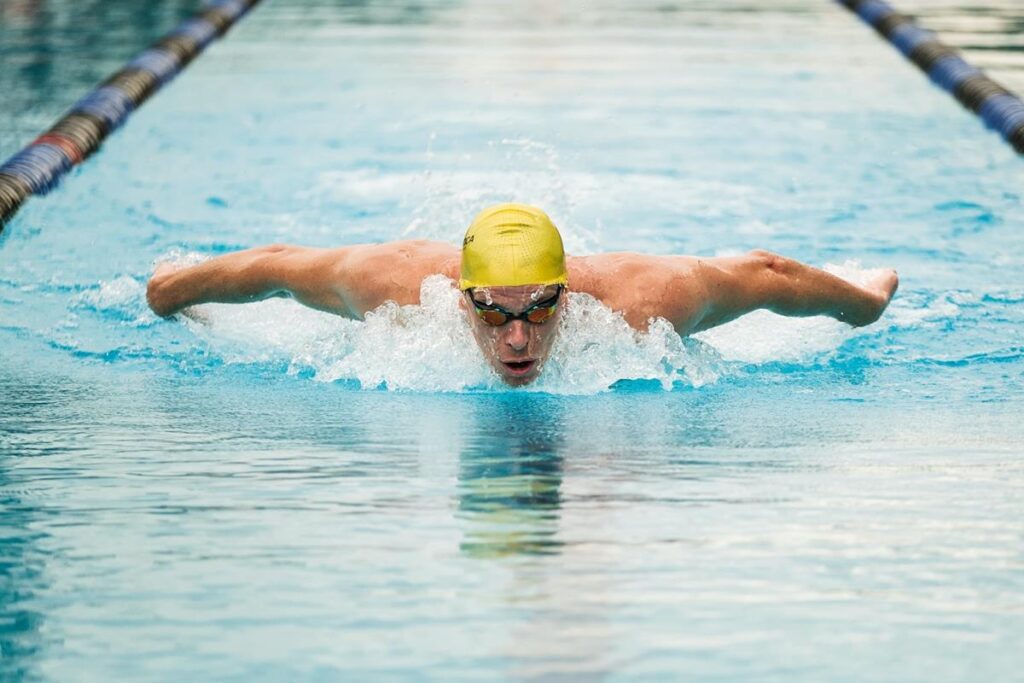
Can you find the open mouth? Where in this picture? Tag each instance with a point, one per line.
(519, 367)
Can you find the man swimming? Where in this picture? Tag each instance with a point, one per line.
(514, 275)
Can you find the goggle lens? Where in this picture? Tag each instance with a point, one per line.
(540, 315)
(494, 318)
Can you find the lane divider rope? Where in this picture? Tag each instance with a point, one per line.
(40, 165)
(998, 107)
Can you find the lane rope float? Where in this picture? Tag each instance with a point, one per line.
(40, 165)
(998, 107)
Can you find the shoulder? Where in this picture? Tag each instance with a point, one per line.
(394, 271)
(643, 286)
(407, 257)
(403, 252)
(605, 275)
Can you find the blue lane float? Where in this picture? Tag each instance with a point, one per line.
(908, 37)
(111, 105)
(162, 65)
(951, 70)
(199, 29)
(1000, 109)
(39, 167)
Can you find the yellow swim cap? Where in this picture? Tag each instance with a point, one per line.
(512, 244)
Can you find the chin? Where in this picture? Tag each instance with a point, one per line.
(518, 381)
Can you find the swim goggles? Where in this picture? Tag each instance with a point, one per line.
(538, 313)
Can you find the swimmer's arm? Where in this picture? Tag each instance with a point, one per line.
(733, 286)
(311, 276)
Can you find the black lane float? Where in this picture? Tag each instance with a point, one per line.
(38, 167)
(997, 106)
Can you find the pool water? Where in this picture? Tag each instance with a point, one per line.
(270, 493)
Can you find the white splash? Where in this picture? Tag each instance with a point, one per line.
(123, 297)
(429, 347)
(596, 348)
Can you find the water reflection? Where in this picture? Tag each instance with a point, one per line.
(510, 477)
(20, 576)
(21, 561)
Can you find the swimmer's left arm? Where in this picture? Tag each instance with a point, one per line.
(311, 276)
(733, 286)
(347, 281)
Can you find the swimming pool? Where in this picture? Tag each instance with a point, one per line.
(778, 500)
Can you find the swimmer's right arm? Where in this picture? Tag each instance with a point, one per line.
(314, 277)
(735, 285)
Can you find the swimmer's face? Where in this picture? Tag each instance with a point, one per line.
(515, 349)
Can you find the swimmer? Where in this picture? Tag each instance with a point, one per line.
(514, 276)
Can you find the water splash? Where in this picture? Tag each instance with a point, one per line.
(596, 348)
(429, 347)
(122, 298)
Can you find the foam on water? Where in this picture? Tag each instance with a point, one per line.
(122, 298)
(429, 347)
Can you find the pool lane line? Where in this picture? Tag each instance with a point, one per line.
(1000, 109)
(41, 164)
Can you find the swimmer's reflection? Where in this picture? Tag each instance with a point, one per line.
(510, 476)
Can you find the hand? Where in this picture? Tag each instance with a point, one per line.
(883, 286)
(156, 294)
(164, 269)
(880, 289)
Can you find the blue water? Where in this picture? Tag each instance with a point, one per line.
(274, 494)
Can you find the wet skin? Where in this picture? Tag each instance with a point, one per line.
(517, 349)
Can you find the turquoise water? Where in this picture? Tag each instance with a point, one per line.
(274, 494)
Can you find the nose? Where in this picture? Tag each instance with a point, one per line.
(517, 337)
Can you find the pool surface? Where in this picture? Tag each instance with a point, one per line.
(269, 493)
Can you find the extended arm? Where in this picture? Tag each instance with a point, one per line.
(311, 276)
(348, 281)
(737, 285)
